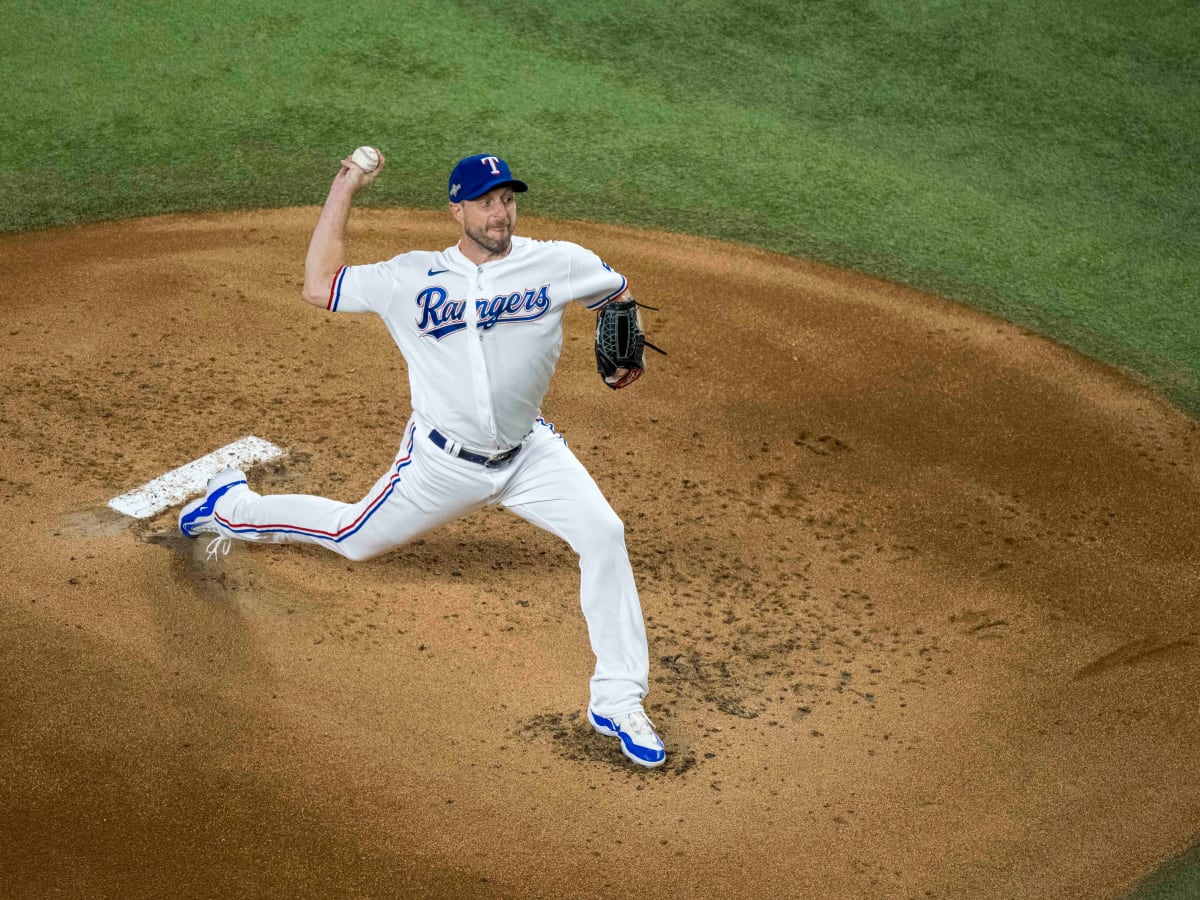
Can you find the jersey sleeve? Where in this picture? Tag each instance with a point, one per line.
(361, 288)
(593, 282)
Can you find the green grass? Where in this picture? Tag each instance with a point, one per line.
(1036, 160)
(1179, 879)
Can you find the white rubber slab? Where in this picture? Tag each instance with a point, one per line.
(190, 480)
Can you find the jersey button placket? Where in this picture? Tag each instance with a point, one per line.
(479, 373)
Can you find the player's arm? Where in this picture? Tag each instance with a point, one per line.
(327, 246)
(624, 295)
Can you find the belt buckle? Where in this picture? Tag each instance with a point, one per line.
(497, 461)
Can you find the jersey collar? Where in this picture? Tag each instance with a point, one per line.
(457, 258)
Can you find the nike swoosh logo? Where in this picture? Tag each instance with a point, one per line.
(433, 272)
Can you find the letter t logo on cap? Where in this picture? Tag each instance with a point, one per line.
(491, 161)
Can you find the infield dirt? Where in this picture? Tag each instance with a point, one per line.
(920, 589)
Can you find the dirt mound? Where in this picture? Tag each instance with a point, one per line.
(920, 589)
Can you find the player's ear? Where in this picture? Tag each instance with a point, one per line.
(456, 210)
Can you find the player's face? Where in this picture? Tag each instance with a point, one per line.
(488, 221)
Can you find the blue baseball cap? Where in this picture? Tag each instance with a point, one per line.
(476, 175)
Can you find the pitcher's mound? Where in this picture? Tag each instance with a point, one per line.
(920, 589)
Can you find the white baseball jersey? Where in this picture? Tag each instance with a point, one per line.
(481, 341)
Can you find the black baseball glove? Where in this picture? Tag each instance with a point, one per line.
(620, 343)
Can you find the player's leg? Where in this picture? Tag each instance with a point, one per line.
(550, 488)
(421, 490)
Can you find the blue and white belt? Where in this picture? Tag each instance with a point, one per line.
(482, 459)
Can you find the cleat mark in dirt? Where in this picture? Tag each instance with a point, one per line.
(1135, 653)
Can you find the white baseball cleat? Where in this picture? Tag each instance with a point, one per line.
(639, 741)
(200, 516)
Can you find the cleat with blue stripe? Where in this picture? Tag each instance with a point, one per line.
(639, 741)
(199, 516)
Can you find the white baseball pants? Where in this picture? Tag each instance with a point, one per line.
(427, 487)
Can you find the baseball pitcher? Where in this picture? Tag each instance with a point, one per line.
(480, 326)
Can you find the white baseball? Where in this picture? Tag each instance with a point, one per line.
(366, 158)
